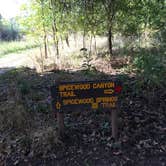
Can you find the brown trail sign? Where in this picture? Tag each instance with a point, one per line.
(70, 96)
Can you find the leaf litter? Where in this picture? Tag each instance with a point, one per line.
(28, 129)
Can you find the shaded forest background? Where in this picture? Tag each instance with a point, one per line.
(133, 28)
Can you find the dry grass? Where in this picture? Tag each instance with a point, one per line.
(15, 46)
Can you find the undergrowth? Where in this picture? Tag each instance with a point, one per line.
(150, 65)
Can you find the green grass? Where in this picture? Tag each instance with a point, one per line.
(15, 46)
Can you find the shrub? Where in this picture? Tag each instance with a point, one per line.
(150, 65)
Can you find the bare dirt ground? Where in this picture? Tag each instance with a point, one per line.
(28, 126)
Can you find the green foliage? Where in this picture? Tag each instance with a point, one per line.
(151, 66)
(133, 19)
(9, 30)
(130, 18)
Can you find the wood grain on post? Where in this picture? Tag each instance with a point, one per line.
(114, 123)
(60, 123)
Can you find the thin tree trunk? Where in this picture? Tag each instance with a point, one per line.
(84, 42)
(45, 45)
(44, 30)
(67, 40)
(110, 41)
(62, 42)
(57, 47)
(54, 40)
(75, 38)
(110, 10)
(90, 48)
(95, 44)
(42, 64)
(54, 29)
(49, 51)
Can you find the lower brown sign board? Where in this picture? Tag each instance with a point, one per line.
(69, 96)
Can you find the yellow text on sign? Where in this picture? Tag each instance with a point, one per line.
(108, 105)
(78, 101)
(72, 87)
(106, 99)
(67, 94)
(103, 85)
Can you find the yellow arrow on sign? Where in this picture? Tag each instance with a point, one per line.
(58, 105)
(108, 91)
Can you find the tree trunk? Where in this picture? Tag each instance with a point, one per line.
(110, 11)
(62, 42)
(44, 29)
(54, 40)
(41, 56)
(75, 38)
(110, 41)
(48, 48)
(54, 29)
(45, 46)
(90, 47)
(57, 48)
(84, 42)
(67, 40)
(95, 44)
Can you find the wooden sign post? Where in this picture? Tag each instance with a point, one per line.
(114, 123)
(60, 123)
(69, 96)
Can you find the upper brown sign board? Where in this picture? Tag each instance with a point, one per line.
(69, 96)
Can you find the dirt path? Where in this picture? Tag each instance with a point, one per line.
(28, 58)
(15, 60)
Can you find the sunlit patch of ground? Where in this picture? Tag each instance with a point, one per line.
(33, 58)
